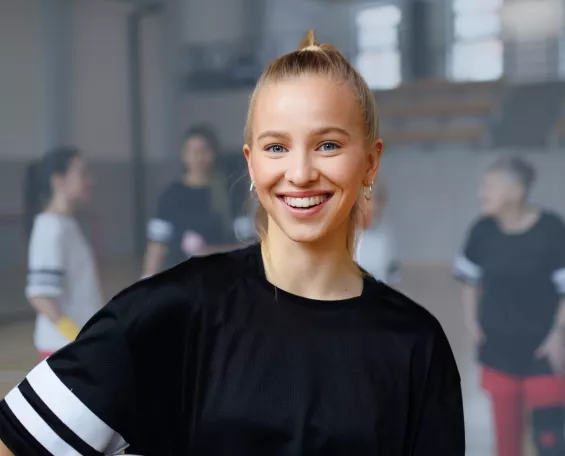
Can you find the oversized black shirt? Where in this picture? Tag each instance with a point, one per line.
(209, 358)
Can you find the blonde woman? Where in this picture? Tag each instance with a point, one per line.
(281, 348)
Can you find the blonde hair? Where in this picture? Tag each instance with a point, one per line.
(312, 58)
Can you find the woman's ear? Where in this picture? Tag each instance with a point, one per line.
(247, 154)
(374, 160)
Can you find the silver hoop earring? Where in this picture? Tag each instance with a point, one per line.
(251, 186)
(368, 191)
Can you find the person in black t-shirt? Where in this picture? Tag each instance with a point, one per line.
(193, 214)
(513, 268)
(282, 348)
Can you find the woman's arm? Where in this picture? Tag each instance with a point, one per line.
(4, 450)
(154, 258)
(470, 298)
(440, 423)
(47, 271)
(47, 306)
(81, 399)
(50, 308)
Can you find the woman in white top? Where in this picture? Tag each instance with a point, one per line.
(375, 250)
(62, 283)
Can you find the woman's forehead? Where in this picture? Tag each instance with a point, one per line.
(307, 102)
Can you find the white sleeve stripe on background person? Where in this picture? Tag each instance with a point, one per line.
(466, 269)
(72, 412)
(558, 278)
(36, 426)
(48, 291)
(159, 230)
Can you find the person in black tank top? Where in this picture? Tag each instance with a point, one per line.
(193, 215)
(282, 348)
(513, 268)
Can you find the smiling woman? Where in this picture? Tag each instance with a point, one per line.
(285, 347)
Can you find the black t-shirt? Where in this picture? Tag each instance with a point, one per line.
(209, 358)
(521, 278)
(181, 210)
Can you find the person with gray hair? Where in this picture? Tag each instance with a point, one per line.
(513, 271)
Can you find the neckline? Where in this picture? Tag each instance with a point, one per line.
(524, 232)
(259, 274)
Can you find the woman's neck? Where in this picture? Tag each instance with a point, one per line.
(323, 270)
(61, 206)
(195, 180)
(518, 218)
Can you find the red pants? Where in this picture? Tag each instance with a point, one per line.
(511, 396)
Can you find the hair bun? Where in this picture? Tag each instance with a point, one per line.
(309, 43)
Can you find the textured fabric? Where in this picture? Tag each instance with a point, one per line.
(522, 278)
(61, 267)
(183, 211)
(209, 358)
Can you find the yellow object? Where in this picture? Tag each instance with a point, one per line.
(68, 328)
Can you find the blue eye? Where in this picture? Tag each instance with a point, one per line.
(276, 148)
(329, 147)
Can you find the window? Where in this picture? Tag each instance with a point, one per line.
(378, 57)
(477, 50)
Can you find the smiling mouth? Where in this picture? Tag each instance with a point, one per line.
(306, 203)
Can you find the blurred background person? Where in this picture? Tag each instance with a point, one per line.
(245, 224)
(62, 283)
(513, 270)
(193, 214)
(375, 250)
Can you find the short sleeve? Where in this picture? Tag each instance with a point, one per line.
(77, 402)
(467, 266)
(440, 428)
(558, 255)
(46, 265)
(160, 228)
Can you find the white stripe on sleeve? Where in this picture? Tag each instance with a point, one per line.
(558, 278)
(36, 426)
(72, 412)
(159, 230)
(466, 269)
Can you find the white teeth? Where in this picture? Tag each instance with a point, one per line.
(306, 202)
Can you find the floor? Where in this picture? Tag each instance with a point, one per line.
(431, 286)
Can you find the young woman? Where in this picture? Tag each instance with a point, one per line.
(193, 214)
(513, 269)
(62, 283)
(375, 250)
(281, 348)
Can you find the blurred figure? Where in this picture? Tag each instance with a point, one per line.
(244, 225)
(62, 283)
(193, 214)
(375, 249)
(513, 269)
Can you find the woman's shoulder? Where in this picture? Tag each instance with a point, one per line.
(181, 291)
(399, 311)
(551, 218)
(50, 224)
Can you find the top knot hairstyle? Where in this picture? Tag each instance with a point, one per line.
(312, 58)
